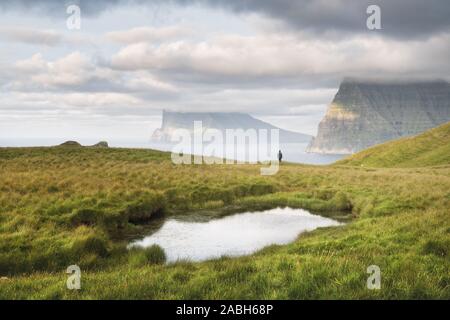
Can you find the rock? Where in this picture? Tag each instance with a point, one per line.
(365, 113)
(70, 144)
(101, 144)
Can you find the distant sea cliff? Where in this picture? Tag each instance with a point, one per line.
(219, 121)
(366, 113)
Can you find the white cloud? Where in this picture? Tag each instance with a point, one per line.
(288, 56)
(148, 34)
(108, 99)
(142, 81)
(73, 69)
(54, 101)
(35, 64)
(77, 72)
(257, 101)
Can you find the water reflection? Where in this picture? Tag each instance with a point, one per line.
(234, 235)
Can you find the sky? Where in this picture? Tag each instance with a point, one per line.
(281, 61)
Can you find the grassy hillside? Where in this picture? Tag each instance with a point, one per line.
(66, 205)
(431, 148)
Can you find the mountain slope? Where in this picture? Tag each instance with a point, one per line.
(431, 148)
(366, 113)
(220, 121)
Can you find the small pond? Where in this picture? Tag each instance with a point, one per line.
(234, 235)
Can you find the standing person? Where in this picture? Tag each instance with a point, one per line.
(280, 156)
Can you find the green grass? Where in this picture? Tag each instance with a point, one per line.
(431, 148)
(63, 206)
(138, 256)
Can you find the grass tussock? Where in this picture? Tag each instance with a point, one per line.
(138, 257)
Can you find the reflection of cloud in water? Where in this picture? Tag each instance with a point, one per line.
(235, 235)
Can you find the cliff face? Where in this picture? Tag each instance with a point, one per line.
(220, 121)
(363, 114)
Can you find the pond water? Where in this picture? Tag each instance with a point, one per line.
(234, 235)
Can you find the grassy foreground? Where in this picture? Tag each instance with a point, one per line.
(431, 148)
(63, 206)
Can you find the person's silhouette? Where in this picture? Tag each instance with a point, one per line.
(280, 155)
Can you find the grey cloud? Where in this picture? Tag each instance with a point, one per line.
(400, 18)
(58, 7)
(30, 36)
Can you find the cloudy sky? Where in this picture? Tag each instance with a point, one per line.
(281, 61)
